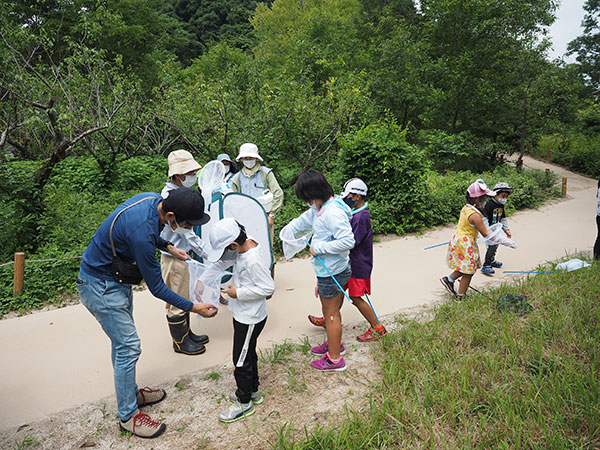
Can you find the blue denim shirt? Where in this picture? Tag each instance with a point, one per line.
(136, 235)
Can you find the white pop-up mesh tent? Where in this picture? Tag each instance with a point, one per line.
(250, 213)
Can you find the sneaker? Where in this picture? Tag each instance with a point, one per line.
(449, 285)
(487, 270)
(147, 396)
(371, 335)
(236, 412)
(317, 321)
(321, 350)
(143, 426)
(256, 397)
(325, 364)
(497, 264)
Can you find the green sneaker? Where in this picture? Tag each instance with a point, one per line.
(257, 397)
(236, 412)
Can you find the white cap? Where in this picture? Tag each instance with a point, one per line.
(354, 186)
(248, 150)
(221, 235)
(180, 162)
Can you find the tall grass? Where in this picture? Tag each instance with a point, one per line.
(474, 377)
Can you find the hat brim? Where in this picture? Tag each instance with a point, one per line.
(214, 254)
(201, 221)
(246, 155)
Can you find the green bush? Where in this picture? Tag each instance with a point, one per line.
(394, 172)
(447, 191)
(574, 150)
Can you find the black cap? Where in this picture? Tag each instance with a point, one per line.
(187, 204)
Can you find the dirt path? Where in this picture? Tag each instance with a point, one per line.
(60, 359)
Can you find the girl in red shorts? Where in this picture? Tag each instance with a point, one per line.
(361, 259)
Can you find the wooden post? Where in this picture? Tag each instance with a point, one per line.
(564, 186)
(19, 272)
(548, 154)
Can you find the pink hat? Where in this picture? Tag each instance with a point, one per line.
(478, 189)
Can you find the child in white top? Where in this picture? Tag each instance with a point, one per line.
(251, 284)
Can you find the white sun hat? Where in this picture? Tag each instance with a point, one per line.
(248, 150)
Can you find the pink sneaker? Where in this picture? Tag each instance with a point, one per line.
(321, 350)
(325, 364)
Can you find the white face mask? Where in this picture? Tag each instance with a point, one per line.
(227, 168)
(313, 206)
(189, 180)
(250, 164)
(178, 229)
(502, 201)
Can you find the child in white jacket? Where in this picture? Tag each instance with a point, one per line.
(251, 284)
(329, 218)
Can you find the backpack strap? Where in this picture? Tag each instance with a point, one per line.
(112, 244)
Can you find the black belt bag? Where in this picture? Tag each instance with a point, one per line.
(124, 271)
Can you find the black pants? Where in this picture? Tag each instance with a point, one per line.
(490, 255)
(245, 359)
(597, 244)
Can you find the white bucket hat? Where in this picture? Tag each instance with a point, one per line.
(221, 235)
(354, 186)
(180, 162)
(248, 150)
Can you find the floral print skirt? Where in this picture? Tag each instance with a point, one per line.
(463, 254)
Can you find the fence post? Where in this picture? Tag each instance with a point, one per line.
(564, 186)
(548, 154)
(19, 272)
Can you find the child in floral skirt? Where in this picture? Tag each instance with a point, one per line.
(463, 252)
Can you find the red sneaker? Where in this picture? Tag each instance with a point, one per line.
(372, 335)
(316, 321)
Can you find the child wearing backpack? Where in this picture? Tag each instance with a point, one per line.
(494, 213)
(361, 259)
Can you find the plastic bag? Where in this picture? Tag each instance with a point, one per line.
(572, 264)
(496, 237)
(291, 243)
(205, 283)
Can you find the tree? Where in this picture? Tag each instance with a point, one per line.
(587, 46)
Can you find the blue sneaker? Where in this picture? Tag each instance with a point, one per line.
(488, 270)
(497, 264)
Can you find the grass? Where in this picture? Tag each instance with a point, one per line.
(474, 377)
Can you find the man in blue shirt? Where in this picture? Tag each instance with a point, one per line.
(136, 227)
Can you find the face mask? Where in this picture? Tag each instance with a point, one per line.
(348, 201)
(227, 168)
(313, 206)
(178, 229)
(502, 201)
(189, 180)
(250, 164)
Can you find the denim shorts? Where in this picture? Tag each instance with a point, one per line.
(328, 288)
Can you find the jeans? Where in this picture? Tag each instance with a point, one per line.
(111, 303)
(490, 255)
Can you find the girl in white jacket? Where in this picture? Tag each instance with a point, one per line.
(329, 219)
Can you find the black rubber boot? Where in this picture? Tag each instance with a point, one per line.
(182, 342)
(197, 338)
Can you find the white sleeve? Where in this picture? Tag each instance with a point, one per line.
(198, 245)
(504, 222)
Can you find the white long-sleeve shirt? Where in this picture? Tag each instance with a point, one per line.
(189, 240)
(253, 281)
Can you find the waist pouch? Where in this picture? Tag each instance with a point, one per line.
(126, 272)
